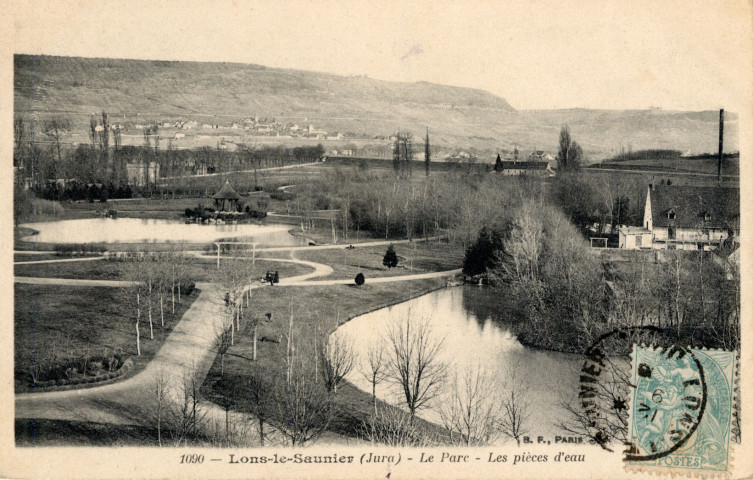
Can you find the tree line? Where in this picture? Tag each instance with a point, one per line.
(564, 296)
(43, 155)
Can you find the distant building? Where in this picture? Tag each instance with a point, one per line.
(227, 199)
(513, 168)
(691, 218)
(633, 238)
(540, 155)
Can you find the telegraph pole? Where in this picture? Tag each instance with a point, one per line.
(721, 146)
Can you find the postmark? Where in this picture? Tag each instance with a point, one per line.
(681, 409)
(605, 387)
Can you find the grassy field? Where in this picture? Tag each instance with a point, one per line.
(426, 257)
(313, 309)
(678, 165)
(39, 432)
(199, 270)
(319, 310)
(69, 322)
(643, 179)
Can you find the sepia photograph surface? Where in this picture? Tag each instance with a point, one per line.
(376, 239)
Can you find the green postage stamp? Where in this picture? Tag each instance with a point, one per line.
(682, 414)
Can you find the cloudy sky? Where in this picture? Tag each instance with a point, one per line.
(685, 55)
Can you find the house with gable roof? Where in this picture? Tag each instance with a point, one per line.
(686, 218)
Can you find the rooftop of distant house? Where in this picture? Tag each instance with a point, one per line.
(695, 207)
(524, 165)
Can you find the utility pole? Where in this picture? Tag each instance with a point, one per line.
(721, 146)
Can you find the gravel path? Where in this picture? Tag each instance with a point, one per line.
(57, 260)
(188, 350)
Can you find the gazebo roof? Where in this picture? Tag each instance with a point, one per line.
(226, 193)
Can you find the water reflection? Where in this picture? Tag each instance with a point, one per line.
(125, 230)
(475, 332)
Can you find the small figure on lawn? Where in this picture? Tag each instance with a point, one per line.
(390, 257)
(227, 299)
(272, 277)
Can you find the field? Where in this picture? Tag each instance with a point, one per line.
(40, 432)
(314, 309)
(199, 270)
(730, 167)
(426, 257)
(358, 107)
(55, 322)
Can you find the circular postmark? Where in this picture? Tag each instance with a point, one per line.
(669, 399)
(605, 386)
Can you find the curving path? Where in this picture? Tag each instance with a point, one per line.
(59, 260)
(188, 350)
(73, 282)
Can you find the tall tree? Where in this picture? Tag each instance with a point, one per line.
(427, 154)
(396, 154)
(414, 363)
(56, 128)
(570, 154)
(498, 164)
(337, 359)
(408, 153)
(104, 143)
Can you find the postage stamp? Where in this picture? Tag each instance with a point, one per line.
(681, 415)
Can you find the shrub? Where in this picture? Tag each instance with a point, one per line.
(390, 257)
(360, 279)
(186, 287)
(481, 256)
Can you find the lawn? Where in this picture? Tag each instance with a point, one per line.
(39, 432)
(315, 309)
(198, 269)
(73, 322)
(417, 257)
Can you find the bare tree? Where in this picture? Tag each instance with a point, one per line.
(256, 322)
(374, 370)
(223, 343)
(414, 363)
(56, 128)
(161, 400)
(234, 277)
(257, 394)
(395, 428)
(513, 420)
(305, 408)
(337, 358)
(427, 154)
(471, 409)
(570, 154)
(252, 156)
(186, 413)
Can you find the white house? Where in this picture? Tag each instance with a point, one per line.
(633, 238)
(691, 218)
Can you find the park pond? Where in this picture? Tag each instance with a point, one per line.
(139, 230)
(474, 334)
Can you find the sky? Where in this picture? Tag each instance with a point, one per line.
(677, 55)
